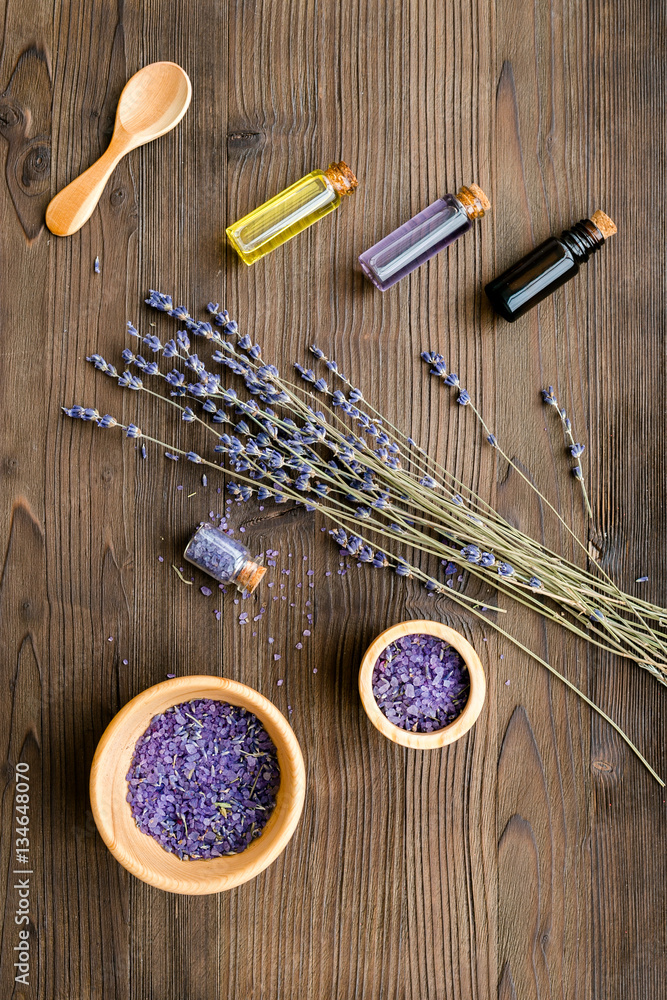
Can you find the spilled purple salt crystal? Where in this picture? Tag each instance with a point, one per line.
(203, 779)
(420, 683)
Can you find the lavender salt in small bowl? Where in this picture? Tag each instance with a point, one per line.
(169, 848)
(422, 684)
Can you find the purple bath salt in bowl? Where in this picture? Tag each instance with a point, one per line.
(203, 779)
(421, 683)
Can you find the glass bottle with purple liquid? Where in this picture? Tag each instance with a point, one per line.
(423, 236)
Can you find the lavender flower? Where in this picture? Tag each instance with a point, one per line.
(574, 448)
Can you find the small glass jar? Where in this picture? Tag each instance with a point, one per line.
(223, 558)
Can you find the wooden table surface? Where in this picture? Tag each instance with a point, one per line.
(527, 860)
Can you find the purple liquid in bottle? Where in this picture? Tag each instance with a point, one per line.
(422, 237)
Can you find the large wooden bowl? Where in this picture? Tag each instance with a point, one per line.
(140, 853)
(461, 724)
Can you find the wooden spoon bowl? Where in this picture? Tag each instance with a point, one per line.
(461, 724)
(153, 101)
(138, 852)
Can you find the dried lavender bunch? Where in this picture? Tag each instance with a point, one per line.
(383, 493)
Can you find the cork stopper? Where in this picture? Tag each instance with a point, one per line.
(250, 576)
(343, 180)
(603, 223)
(474, 201)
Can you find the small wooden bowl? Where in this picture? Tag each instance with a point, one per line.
(461, 724)
(140, 853)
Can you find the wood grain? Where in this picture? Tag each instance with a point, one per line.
(526, 860)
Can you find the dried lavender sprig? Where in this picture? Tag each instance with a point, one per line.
(575, 449)
(464, 397)
(311, 378)
(415, 541)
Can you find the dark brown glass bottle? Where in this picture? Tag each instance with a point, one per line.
(547, 267)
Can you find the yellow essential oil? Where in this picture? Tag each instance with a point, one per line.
(291, 211)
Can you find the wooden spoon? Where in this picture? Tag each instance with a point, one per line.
(153, 101)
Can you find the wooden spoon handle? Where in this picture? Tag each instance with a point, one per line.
(75, 204)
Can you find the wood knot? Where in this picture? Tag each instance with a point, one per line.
(602, 765)
(117, 197)
(35, 171)
(241, 140)
(10, 115)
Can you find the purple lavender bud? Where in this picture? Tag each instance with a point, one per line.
(471, 553)
(549, 397)
(487, 559)
(188, 415)
(504, 569)
(576, 450)
(317, 352)
(133, 431)
(129, 381)
(332, 366)
(452, 379)
(463, 397)
(578, 472)
(321, 385)
(355, 395)
(107, 421)
(153, 342)
(159, 301)
(90, 414)
(132, 330)
(492, 441)
(428, 481)
(597, 616)
(127, 356)
(535, 582)
(96, 265)
(174, 458)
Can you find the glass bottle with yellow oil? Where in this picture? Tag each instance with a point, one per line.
(291, 211)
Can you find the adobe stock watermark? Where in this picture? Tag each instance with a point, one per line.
(22, 872)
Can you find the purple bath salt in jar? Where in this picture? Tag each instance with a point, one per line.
(223, 558)
(423, 236)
